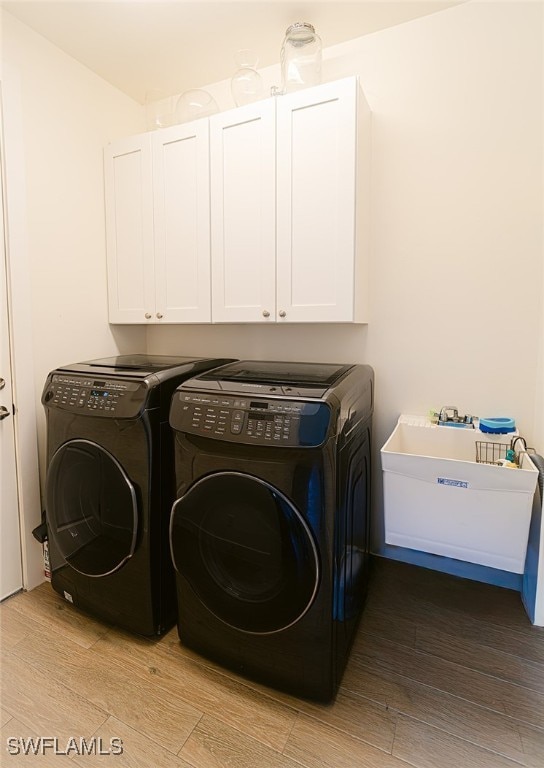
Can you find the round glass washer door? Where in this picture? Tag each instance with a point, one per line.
(246, 551)
(91, 508)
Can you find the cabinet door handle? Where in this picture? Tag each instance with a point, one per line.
(266, 313)
(2, 383)
(4, 413)
(159, 315)
(148, 316)
(283, 313)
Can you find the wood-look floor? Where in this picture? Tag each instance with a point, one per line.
(444, 673)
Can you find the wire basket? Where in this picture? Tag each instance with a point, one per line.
(491, 453)
(495, 453)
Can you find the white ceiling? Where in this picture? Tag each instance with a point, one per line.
(150, 49)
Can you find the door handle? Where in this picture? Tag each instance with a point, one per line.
(2, 383)
(4, 413)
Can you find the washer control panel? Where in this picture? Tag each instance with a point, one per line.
(101, 397)
(244, 420)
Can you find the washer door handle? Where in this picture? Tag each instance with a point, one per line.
(4, 413)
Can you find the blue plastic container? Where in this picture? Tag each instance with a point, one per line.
(497, 425)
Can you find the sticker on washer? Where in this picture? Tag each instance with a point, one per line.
(449, 481)
(68, 597)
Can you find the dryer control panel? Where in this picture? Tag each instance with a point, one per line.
(97, 397)
(283, 423)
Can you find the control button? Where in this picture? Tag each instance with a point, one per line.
(236, 427)
(238, 416)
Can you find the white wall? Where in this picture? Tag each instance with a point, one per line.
(67, 114)
(456, 270)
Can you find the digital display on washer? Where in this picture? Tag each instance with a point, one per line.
(264, 406)
(259, 416)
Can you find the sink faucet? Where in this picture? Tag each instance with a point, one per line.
(444, 413)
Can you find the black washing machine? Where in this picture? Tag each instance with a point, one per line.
(270, 531)
(110, 486)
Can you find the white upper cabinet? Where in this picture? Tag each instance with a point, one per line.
(158, 226)
(317, 248)
(258, 214)
(289, 180)
(181, 187)
(243, 216)
(129, 225)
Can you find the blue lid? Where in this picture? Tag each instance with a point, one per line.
(499, 425)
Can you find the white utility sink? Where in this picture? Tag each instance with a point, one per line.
(439, 499)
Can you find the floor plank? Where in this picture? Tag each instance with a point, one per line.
(489, 729)
(390, 625)
(14, 627)
(20, 753)
(426, 747)
(43, 704)
(108, 684)
(533, 746)
(5, 717)
(180, 677)
(315, 745)
(358, 716)
(44, 606)
(212, 744)
(487, 691)
(484, 603)
(480, 658)
(398, 616)
(138, 751)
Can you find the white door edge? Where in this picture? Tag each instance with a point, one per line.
(18, 278)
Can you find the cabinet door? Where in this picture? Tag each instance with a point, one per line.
(316, 134)
(242, 147)
(181, 183)
(129, 227)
